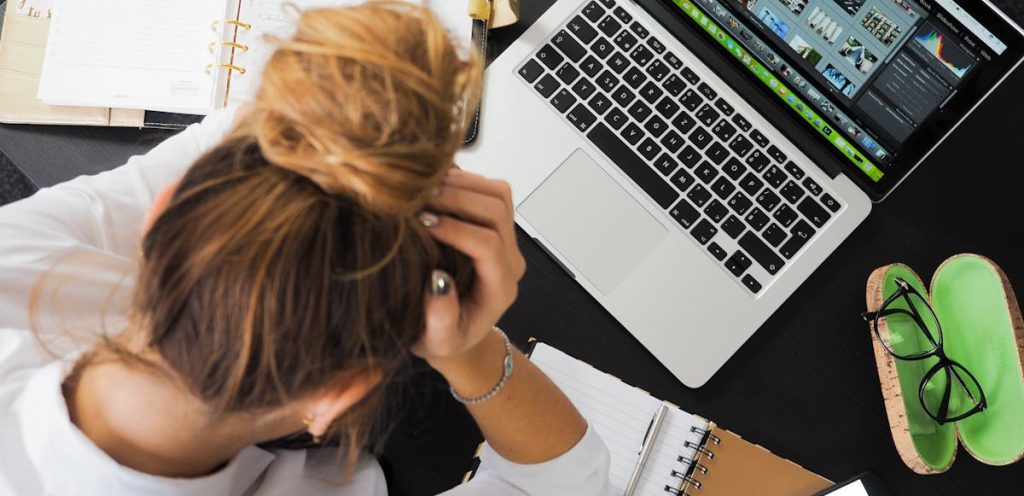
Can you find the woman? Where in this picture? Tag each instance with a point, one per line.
(285, 279)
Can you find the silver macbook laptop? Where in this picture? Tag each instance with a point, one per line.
(691, 162)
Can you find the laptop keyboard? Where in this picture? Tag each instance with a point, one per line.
(722, 180)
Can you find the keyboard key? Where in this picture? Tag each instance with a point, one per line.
(690, 76)
(623, 15)
(632, 133)
(801, 234)
(625, 41)
(656, 126)
(593, 11)
(717, 153)
(690, 156)
(550, 57)
(600, 104)
(618, 63)
(701, 138)
(794, 171)
(683, 123)
(567, 73)
(684, 213)
(741, 122)
(591, 66)
(609, 26)
(699, 195)
(706, 172)
(583, 89)
(651, 92)
(733, 226)
(723, 188)
(646, 178)
(582, 118)
(649, 149)
(741, 145)
(641, 55)
(607, 81)
(658, 70)
(634, 77)
(724, 130)
(716, 211)
(813, 211)
(775, 176)
(602, 48)
(667, 107)
(563, 100)
(768, 200)
(582, 29)
(812, 187)
(792, 192)
(734, 168)
(757, 219)
(758, 161)
(608, 3)
(785, 215)
(639, 111)
(717, 251)
(707, 115)
(674, 85)
(623, 96)
(704, 231)
(751, 184)
(759, 138)
(673, 61)
(666, 164)
(682, 179)
(639, 29)
(751, 284)
(656, 45)
(724, 106)
(774, 235)
(691, 100)
(569, 46)
(775, 153)
(762, 253)
(547, 86)
(616, 119)
(706, 90)
(531, 70)
(738, 263)
(830, 203)
(740, 203)
(672, 141)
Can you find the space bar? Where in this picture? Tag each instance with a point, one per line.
(634, 166)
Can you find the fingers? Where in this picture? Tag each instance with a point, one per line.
(467, 180)
(473, 206)
(496, 281)
(441, 313)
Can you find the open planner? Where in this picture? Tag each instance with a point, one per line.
(188, 56)
(658, 449)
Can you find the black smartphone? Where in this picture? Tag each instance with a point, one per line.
(866, 484)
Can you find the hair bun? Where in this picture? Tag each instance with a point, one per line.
(368, 101)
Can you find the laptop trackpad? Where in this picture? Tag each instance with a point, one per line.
(592, 221)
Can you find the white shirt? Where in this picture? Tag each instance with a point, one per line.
(83, 237)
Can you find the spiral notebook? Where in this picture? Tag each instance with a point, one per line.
(189, 56)
(658, 449)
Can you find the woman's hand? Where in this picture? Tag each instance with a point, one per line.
(474, 215)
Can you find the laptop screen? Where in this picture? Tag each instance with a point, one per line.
(881, 81)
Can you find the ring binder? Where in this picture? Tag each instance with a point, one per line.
(700, 448)
(217, 24)
(230, 67)
(239, 46)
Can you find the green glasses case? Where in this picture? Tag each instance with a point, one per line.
(983, 330)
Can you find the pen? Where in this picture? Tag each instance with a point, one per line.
(645, 451)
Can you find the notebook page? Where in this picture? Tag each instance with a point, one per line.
(619, 413)
(669, 446)
(271, 17)
(142, 54)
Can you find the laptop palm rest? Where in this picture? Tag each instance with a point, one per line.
(594, 223)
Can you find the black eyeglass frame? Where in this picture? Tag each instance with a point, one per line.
(905, 290)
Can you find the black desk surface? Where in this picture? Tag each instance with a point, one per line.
(804, 386)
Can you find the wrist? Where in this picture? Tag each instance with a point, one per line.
(476, 371)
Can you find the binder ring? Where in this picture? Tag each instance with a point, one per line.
(715, 439)
(221, 22)
(693, 482)
(679, 475)
(685, 460)
(213, 44)
(700, 449)
(230, 67)
(701, 468)
(698, 430)
(672, 490)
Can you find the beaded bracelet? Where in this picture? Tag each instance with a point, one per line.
(507, 367)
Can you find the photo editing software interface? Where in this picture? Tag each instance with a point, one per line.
(865, 74)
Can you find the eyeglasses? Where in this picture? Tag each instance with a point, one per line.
(948, 391)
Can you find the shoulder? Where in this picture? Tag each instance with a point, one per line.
(321, 471)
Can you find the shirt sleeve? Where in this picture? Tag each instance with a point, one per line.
(582, 471)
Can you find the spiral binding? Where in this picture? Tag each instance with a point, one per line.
(230, 67)
(715, 439)
(688, 479)
(215, 26)
(701, 449)
(239, 46)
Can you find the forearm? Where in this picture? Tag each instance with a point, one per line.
(530, 420)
